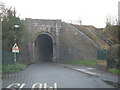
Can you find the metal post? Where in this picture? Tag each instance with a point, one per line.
(14, 59)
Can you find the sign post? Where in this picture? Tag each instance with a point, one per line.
(15, 50)
(15, 57)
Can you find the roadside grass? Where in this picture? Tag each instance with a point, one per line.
(83, 62)
(93, 63)
(114, 71)
(13, 68)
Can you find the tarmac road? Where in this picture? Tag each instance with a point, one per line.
(52, 75)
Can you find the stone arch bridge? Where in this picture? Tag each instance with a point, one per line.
(56, 41)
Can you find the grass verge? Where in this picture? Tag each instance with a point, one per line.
(83, 62)
(93, 63)
(114, 70)
(13, 68)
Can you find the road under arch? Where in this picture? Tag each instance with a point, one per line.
(44, 48)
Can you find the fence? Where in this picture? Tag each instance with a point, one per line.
(101, 54)
(8, 57)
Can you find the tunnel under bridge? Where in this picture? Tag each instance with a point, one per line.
(44, 48)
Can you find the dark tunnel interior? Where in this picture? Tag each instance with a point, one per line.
(45, 48)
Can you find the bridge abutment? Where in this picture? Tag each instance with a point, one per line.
(37, 27)
(68, 42)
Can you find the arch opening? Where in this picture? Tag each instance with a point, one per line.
(44, 48)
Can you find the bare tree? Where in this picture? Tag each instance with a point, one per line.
(108, 21)
(3, 10)
(79, 21)
(111, 20)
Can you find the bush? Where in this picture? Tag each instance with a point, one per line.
(112, 57)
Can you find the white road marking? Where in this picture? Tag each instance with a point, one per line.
(22, 86)
(15, 84)
(45, 86)
(55, 86)
(40, 86)
(34, 85)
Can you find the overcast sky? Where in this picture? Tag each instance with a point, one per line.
(91, 12)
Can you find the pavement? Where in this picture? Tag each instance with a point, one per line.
(58, 75)
(109, 78)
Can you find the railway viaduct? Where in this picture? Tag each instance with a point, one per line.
(57, 41)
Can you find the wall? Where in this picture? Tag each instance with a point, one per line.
(74, 45)
(35, 27)
(68, 42)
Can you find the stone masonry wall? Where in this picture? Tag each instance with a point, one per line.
(35, 27)
(74, 45)
(69, 43)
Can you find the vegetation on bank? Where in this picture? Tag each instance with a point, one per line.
(112, 32)
(92, 35)
(8, 68)
(113, 59)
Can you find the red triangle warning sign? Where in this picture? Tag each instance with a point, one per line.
(15, 47)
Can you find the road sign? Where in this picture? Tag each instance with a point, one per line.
(15, 48)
